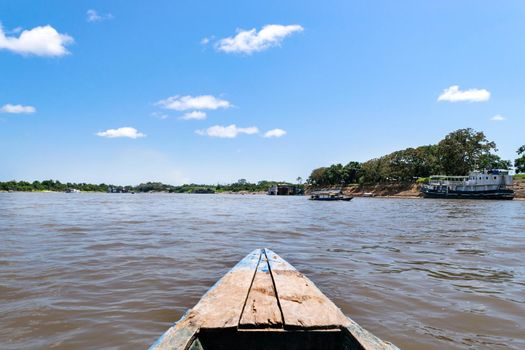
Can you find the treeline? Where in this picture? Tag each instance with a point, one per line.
(460, 152)
(51, 185)
(240, 186)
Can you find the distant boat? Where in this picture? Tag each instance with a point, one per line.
(203, 191)
(493, 184)
(72, 190)
(265, 303)
(329, 195)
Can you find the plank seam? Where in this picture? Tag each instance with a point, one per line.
(250, 288)
(274, 287)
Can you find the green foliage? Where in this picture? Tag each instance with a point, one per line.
(519, 163)
(464, 150)
(51, 185)
(423, 180)
(492, 161)
(336, 174)
(458, 153)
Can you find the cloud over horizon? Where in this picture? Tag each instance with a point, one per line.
(194, 115)
(17, 109)
(39, 41)
(275, 133)
(183, 103)
(498, 118)
(126, 131)
(249, 41)
(230, 131)
(93, 16)
(454, 94)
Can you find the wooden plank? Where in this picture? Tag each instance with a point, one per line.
(367, 340)
(261, 309)
(178, 337)
(222, 305)
(303, 305)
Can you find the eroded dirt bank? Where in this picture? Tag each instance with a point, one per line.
(409, 190)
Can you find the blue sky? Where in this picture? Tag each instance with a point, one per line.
(333, 81)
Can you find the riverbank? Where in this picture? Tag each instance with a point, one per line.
(410, 190)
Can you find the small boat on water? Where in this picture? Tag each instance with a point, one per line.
(265, 303)
(492, 184)
(330, 195)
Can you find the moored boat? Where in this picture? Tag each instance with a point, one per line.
(265, 303)
(492, 184)
(329, 196)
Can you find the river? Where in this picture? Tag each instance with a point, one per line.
(113, 271)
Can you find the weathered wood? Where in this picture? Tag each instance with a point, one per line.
(264, 291)
(220, 307)
(303, 305)
(178, 337)
(367, 340)
(261, 309)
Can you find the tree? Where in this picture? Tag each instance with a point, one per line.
(351, 172)
(520, 162)
(463, 150)
(317, 177)
(493, 161)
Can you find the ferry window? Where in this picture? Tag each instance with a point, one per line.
(480, 177)
(487, 178)
(494, 177)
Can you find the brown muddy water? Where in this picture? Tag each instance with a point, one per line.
(113, 271)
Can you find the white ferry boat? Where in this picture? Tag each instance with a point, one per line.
(492, 184)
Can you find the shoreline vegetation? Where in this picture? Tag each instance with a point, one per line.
(398, 174)
(379, 190)
(401, 173)
(241, 186)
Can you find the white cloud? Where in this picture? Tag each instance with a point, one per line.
(194, 115)
(126, 131)
(183, 103)
(498, 118)
(93, 16)
(205, 41)
(275, 133)
(39, 41)
(230, 131)
(249, 41)
(161, 116)
(15, 30)
(454, 94)
(17, 109)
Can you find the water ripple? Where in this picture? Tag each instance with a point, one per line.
(114, 271)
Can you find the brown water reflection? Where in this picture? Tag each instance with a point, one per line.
(113, 271)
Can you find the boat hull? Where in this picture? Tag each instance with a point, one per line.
(347, 199)
(264, 303)
(495, 194)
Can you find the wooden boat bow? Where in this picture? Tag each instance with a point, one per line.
(266, 295)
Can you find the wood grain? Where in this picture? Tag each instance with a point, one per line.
(222, 305)
(303, 305)
(261, 309)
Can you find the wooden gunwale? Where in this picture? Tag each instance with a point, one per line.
(264, 293)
